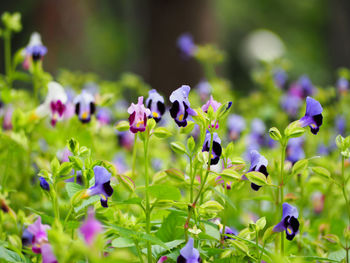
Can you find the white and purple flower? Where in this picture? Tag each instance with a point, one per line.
(155, 102)
(84, 106)
(216, 149)
(313, 115)
(138, 116)
(258, 163)
(34, 51)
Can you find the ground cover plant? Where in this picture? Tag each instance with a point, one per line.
(100, 171)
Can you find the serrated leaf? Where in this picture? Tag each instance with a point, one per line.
(175, 174)
(127, 182)
(212, 206)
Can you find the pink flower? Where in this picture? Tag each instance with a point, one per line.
(138, 116)
(91, 227)
(211, 102)
(40, 235)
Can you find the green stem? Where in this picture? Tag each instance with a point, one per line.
(192, 180)
(7, 47)
(224, 218)
(148, 208)
(139, 251)
(283, 156)
(68, 215)
(257, 243)
(134, 150)
(346, 203)
(36, 84)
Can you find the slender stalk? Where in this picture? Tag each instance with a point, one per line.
(224, 219)
(139, 251)
(7, 47)
(283, 156)
(257, 243)
(346, 203)
(36, 84)
(134, 150)
(148, 208)
(68, 215)
(192, 180)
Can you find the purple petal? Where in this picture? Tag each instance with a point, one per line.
(313, 107)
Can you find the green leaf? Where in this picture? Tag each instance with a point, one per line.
(122, 126)
(172, 227)
(223, 110)
(73, 146)
(165, 192)
(77, 162)
(123, 242)
(175, 174)
(256, 178)
(321, 171)
(162, 132)
(55, 166)
(188, 128)
(230, 174)
(9, 255)
(212, 206)
(73, 188)
(261, 223)
(65, 168)
(153, 240)
(339, 141)
(229, 150)
(191, 144)
(127, 182)
(300, 166)
(294, 130)
(178, 147)
(240, 245)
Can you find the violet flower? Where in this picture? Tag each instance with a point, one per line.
(291, 104)
(7, 121)
(322, 149)
(289, 222)
(181, 109)
(257, 163)
(236, 124)
(216, 149)
(102, 185)
(280, 77)
(47, 254)
(256, 138)
(342, 85)
(215, 106)
(155, 102)
(306, 86)
(104, 116)
(186, 45)
(313, 115)
(27, 237)
(204, 89)
(44, 184)
(126, 139)
(39, 232)
(340, 124)
(91, 227)
(188, 254)
(84, 106)
(295, 151)
(138, 116)
(35, 50)
(54, 104)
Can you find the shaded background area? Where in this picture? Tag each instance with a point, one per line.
(110, 37)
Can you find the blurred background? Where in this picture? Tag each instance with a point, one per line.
(110, 37)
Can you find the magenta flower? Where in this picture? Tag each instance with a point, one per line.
(188, 254)
(155, 102)
(162, 259)
(181, 109)
(257, 163)
(39, 232)
(216, 150)
(84, 106)
(104, 116)
(47, 254)
(289, 222)
(138, 116)
(102, 185)
(313, 115)
(91, 227)
(211, 102)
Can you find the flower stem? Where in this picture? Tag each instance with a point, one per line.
(7, 47)
(148, 208)
(36, 84)
(346, 203)
(192, 180)
(134, 150)
(283, 156)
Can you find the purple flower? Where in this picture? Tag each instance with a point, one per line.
(291, 104)
(257, 163)
(313, 115)
(295, 151)
(120, 163)
(39, 232)
(138, 116)
(35, 49)
(340, 124)
(104, 116)
(322, 149)
(7, 121)
(84, 106)
(186, 45)
(44, 184)
(188, 254)
(204, 89)
(280, 77)
(155, 102)
(289, 222)
(91, 227)
(236, 124)
(306, 86)
(47, 254)
(211, 102)
(162, 259)
(342, 85)
(181, 108)
(216, 150)
(126, 139)
(102, 185)
(27, 238)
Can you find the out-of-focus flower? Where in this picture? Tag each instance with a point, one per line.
(313, 115)
(204, 90)
(306, 86)
(27, 238)
(155, 102)
(318, 202)
(236, 124)
(280, 77)
(47, 254)
(39, 232)
(342, 85)
(54, 104)
(216, 149)
(289, 222)
(102, 185)
(188, 254)
(91, 227)
(322, 149)
(295, 151)
(44, 184)
(215, 106)
(138, 116)
(257, 163)
(340, 124)
(104, 116)
(181, 109)
(162, 259)
(7, 122)
(120, 163)
(34, 51)
(256, 138)
(126, 139)
(291, 104)
(84, 106)
(186, 45)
